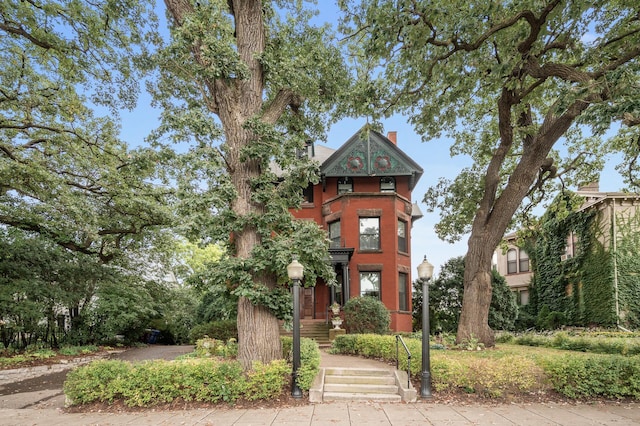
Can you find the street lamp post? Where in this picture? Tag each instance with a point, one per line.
(425, 272)
(295, 271)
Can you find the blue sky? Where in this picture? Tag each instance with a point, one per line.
(432, 155)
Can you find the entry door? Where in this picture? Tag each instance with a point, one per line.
(307, 303)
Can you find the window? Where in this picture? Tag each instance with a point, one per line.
(524, 261)
(403, 304)
(334, 234)
(512, 262)
(370, 284)
(345, 185)
(387, 184)
(402, 236)
(307, 194)
(369, 233)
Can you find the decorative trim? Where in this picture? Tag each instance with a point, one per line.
(369, 212)
(404, 269)
(370, 267)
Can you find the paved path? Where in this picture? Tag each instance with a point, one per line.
(338, 414)
(335, 413)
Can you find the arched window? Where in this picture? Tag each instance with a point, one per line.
(512, 261)
(524, 261)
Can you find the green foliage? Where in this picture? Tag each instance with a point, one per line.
(366, 315)
(309, 359)
(77, 350)
(491, 377)
(63, 87)
(266, 381)
(219, 330)
(591, 376)
(549, 320)
(580, 290)
(506, 371)
(611, 343)
(208, 347)
(156, 382)
(445, 300)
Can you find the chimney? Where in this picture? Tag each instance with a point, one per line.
(590, 187)
(393, 137)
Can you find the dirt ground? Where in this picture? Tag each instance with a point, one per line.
(46, 391)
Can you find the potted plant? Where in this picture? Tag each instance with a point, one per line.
(335, 308)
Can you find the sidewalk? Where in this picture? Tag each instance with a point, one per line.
(340, 414)
(348, 413)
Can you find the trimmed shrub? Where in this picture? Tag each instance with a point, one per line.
(586, 376)
(366, 315)
(309, 359)
(159, 381)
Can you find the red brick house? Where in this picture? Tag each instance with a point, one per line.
(364, 202)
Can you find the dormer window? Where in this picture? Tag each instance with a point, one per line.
(387, 184)
(345, 185)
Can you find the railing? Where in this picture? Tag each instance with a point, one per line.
(399, 339)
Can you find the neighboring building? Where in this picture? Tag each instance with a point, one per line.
(600, 284)
(364, 202)
(513, 263)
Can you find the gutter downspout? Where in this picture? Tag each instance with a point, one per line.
(615, 260)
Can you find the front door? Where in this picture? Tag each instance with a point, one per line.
(307, 303)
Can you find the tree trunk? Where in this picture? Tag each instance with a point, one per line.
(259, 332)
(474, 317)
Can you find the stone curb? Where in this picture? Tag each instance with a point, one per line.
(19, 374)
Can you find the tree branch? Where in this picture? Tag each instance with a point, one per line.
(284, 97)
(23, 33)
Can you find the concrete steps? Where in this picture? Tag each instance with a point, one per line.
(317, 330)
(360, 384)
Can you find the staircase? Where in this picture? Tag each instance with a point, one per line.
(317, 330)
(361, 384)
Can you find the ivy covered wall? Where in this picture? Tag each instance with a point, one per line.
(580, 288)
(583, 288)
(628, 265)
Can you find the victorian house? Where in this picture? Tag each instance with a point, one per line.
(363, 200)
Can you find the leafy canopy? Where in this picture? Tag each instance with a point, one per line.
(64, 172)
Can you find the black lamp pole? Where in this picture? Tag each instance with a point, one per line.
(425, 272)
(295, 271)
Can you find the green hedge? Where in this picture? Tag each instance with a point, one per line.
(201, 378)
(609, 376)
(155, 382)
(309, 359)
(607, 343)
(496, 373)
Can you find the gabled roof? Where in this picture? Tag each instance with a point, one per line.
(369, 153)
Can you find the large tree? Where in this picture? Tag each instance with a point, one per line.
(68, 68)
(509, 81)
(246, 83)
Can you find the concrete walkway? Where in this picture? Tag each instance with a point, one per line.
(419, 413)
(349, 413)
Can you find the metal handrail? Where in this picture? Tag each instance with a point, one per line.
(401, 340)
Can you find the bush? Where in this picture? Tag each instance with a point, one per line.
(588, 376)
(309, 359)
(366, 315)
(219, 330)
(207, 347)
(451, 370)
(549, 320)
(155, 382)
